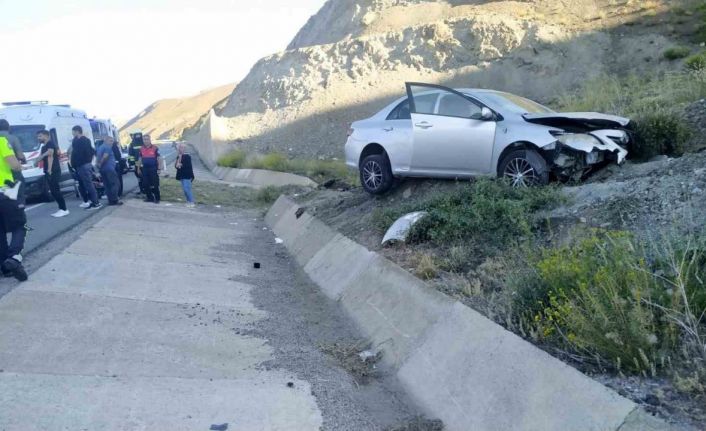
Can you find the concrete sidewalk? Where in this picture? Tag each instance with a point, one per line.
(142, 323)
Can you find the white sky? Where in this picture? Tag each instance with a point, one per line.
(112, 58)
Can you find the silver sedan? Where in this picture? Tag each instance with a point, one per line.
(439, 132)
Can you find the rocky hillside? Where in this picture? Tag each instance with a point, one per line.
(354, 56)
(168, 118)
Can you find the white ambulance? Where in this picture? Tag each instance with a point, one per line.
(26, 119)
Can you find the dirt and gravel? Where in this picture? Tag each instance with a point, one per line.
(662, 197)
(301, 320)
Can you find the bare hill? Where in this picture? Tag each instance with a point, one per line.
(354, 56)
(168, 118)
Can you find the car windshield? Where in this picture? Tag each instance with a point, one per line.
(513, 103)
(27, 136)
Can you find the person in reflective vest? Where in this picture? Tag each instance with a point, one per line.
(150, 166)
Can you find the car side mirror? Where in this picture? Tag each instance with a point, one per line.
(486, 114)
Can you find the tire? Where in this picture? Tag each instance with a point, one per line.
(376, 174)
(524, 168)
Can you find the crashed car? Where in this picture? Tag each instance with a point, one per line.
(439, 132)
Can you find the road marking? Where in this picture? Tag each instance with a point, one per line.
(35, 206)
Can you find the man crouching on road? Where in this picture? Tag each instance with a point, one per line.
(150, 166)
(12, 214)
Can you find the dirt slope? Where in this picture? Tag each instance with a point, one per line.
(169, 117)
(353, 57)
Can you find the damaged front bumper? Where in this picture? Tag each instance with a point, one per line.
(573, 154)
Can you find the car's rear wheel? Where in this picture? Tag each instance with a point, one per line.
(524, 168)
(376, 174)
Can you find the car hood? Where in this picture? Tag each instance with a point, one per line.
(587, 120)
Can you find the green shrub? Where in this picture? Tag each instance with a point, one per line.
(486, 210)
(267, 195)
(659, 133)
(271, 162)
(676, 53)
(608, 296)
(234, 159)
(318, 170)
(696, 62)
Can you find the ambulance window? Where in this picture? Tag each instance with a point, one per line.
(27, 136)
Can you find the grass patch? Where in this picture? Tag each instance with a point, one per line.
(234, 159)
(490, 211)
(627, 305)
(318, 170)
(655, 104)
(207, 193)
(696, 63)
(676, 53)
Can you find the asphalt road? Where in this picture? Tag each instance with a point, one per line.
(45, 227)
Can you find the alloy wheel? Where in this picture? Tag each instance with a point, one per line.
(372, 175)
(521, 173)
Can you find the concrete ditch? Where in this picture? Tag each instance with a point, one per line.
(211, 141)
(261, 177)
(455, 363)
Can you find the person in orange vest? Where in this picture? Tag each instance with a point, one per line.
(150, 166)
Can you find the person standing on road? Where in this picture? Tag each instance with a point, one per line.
(16, 146)
(12, 215)
(13, 140)
(82, 160)
(52, 170)
(105, 162)
(120, 165)
(150, 167)
(134, 156)
(185, 174)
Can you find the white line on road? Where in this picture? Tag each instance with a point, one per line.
(35, 206)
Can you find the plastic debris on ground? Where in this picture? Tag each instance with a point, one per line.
(400, 229)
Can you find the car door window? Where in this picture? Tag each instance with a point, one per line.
(401, 112)
(425, 103)
(454, 105)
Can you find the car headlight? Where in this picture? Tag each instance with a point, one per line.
(579, 141)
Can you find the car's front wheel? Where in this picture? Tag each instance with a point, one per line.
(524, 168)
(376, 174)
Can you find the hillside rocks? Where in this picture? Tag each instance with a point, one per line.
(168, 118)
(354, 57)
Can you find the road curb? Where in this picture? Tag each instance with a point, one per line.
(455, 363)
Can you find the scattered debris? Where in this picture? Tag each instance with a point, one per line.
(355, 357)
(366, 355)
(221, 427)
(400, 229)
(419, 423)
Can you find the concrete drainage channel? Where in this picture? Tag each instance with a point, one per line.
(261, 178)
(455, 363)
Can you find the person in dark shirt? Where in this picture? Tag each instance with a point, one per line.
(150, 166)
(185, 174)
(52, 170)
(82, 161)
(120, 166)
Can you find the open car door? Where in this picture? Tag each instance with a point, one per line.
(450, 136)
